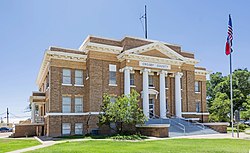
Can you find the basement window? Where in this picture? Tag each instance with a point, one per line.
(66, 128)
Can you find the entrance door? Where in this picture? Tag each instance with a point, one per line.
(151, 108)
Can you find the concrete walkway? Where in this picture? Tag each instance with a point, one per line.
(208, 136)
(43, 145)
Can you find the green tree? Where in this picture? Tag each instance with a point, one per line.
(124, 111)
(246, 113)
(220, 108)
(241, 88)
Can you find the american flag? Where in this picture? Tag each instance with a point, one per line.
(229, 42)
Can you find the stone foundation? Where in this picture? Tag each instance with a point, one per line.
(154, 130)
(219, 127)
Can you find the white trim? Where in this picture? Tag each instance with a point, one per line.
(78, 85)
(64, 84)
(72, 114)
(113, 85)
(101, 48)
(132, 86)
(201, 72)
(145, 58)
(195, 113)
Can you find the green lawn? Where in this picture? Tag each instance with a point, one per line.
(160, 146)
(15, 144)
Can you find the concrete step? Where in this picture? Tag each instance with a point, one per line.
(176, 129)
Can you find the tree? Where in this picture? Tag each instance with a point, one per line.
(246, 114)
(124, 111)
(221, 84)
(220, 108)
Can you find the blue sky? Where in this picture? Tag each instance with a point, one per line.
(28, 27)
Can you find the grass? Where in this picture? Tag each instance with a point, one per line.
(159, 146)
(11, 144)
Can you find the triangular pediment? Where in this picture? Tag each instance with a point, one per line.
(156, 49)
(155, 53)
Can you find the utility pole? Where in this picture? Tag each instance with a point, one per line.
(7, 117)
(145, 22)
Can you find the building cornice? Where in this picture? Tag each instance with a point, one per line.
(57, 55)
(101, 48)
(201, 72)
(145, 58)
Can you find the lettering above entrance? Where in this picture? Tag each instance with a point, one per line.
(155, 65)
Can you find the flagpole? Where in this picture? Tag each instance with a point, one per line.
(231, 95)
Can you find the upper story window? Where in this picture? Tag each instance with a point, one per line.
(150, 81)
(112, 74)
(78, 104)
(197, 86)
(198, 107)
(66, 104)
(78, 77)
(66, 76)
(132, 79)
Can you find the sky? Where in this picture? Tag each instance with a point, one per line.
(28, 28)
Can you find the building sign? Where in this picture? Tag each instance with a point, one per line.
(155, 65)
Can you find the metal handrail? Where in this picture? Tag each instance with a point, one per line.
(177, 123)
(198, 123)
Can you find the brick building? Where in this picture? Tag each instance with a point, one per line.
(72, 81)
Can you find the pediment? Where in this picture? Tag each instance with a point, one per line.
(154, 53)
(156, 49)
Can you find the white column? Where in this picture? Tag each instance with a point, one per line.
(33, 115)
(178, 104)
(162, 94)
(145, 92)
(127, 80)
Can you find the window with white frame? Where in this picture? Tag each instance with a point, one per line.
(78, 104)
(197, 86)
(112, 74)
(150, 81)
(132, 79)
(78, 77)
(66, 104)
(198, 107)
(66, 128)
(66, 76)
(78, 128)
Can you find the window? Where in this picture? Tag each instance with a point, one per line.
(112, 74)
(150, 81)
(166, 83)
(112, 99)
(66, 128)
(78, 105)
(66, 76)
(166, 105)
(197, 86)
(78, 77)
(78, 128)
(198, 105)
(132, 79)
(66, 104)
